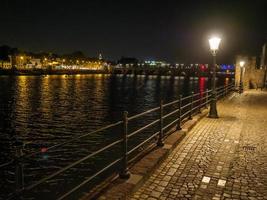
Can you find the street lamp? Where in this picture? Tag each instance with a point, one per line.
(214, 43)
(241, 63)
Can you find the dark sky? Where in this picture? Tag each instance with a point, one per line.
(175, 31)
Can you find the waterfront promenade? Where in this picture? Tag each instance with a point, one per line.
(223, 158)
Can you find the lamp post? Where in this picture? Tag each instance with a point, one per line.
(241, 87)
(265, 77)
(214, 43)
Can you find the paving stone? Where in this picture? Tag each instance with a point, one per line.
(214, 148)
(206, 179)
(221, 183)
(159, 189)
(163, 183)
(155, 194)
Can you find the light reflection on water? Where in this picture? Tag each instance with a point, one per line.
(42, 111)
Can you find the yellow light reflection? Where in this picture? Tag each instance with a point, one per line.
(227, 81)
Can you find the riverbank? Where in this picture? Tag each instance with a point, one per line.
(39, 72)
(218, 159)
(42, 72)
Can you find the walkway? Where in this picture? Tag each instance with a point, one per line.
(223, 158)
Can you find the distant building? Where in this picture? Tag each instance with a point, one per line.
(20, 61)
(253, 77)
(6, 64)
(127, 62)
(153, 63)
(93, 65)
(34, 63)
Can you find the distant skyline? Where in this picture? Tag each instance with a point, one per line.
(171, 30)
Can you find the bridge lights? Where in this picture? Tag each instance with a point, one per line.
(241, 87)
(214, 43)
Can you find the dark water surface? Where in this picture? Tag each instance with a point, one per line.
(42, 111)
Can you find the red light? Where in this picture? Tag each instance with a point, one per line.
(44, 149)
(202, 67)
(201, 85)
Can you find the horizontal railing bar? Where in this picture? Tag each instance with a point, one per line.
(143, 113)
(208, 101)
(170, 124)
(195, 94)
(194, 108)
(206, 91)
(76, 138)
(232, 88)
(6, 164)
(143, 128)
(197, 100)
(168, 104)
(145, 141)
(220, 90)
(209, 96)
(203, 104)
(221, 86)
(72, 165)
(202, 94)
(186, 113)
(89, 179)
(187, 97)
(171, 113)
(220, 95)
(186, 105)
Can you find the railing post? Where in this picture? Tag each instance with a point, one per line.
(160, 142)
(229, 88)
(191, 106)
(200, 102)
(19, 175)
(125, 174)
(207, 98)
(179, 123)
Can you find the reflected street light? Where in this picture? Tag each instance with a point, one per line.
(241, 87)
(214, 43)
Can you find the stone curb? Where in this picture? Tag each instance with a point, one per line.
(141, 171)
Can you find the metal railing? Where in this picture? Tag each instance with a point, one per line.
(183, 109)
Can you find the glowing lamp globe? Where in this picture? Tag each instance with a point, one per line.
(242, 63)
(214, 43)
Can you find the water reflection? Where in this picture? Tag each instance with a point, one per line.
(45, 110)
(46, 107)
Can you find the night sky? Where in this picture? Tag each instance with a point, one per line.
(175, 31)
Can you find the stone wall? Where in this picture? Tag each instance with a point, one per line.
(253, 78)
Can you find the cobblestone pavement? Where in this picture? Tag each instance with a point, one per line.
(223, 158)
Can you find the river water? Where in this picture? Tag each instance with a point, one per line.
(42, 111)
